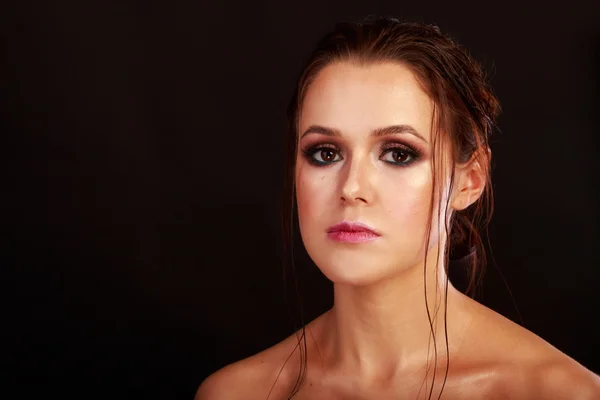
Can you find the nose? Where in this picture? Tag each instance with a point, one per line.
(356, 182)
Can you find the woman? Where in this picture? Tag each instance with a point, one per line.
(390, 169)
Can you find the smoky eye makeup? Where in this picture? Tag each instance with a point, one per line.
(399, 152)
(394, 153)
(321, 154)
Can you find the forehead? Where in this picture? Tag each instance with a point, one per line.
(356, 99)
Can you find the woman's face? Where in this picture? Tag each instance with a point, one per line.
(351, 167)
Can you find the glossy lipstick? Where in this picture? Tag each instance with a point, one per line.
(352, 232)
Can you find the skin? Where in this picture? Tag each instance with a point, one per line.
(375, 342)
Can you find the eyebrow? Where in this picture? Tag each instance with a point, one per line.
(378, 132)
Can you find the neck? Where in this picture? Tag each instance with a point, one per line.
(383, 328)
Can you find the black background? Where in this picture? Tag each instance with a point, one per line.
(141, 169)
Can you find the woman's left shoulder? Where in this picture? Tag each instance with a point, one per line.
(564, 378)
(526, 363)
(544, 379)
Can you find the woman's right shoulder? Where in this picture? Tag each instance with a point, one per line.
(262, 375)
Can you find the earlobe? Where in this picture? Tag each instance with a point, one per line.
(461, 200)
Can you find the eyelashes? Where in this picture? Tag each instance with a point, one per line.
(394, 153)
(312, 153)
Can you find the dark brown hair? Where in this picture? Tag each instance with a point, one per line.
(464, 117)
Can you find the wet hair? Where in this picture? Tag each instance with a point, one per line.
(463, 120)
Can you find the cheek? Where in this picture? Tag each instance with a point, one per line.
(407, 201)
(312, 194)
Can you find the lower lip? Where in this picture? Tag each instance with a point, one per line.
(352, 237)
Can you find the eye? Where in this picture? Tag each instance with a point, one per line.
(322, 155)
(326, 155)
(399, 155)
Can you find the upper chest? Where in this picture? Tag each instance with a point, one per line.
(484, 383)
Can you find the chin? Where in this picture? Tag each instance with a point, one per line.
(352, 279)
(354, 270)
(361, 264)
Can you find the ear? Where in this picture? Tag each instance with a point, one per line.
(470, 182)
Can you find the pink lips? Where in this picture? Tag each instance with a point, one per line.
(352, 232)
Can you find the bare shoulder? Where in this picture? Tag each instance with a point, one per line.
(528, 366)
(220, 383)
(564, 379)
(561, 379)
(229, 382)
(264, 375)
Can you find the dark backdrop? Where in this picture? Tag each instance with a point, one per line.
(141, 163)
